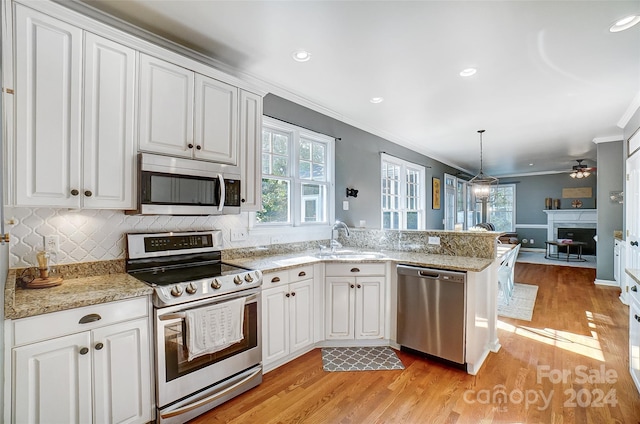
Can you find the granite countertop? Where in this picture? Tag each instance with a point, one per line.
(72, 293)
(107, 282)
(274, 263)
(634, 274)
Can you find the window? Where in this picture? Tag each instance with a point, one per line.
(297, 175)
(403, 194)
(502, 208)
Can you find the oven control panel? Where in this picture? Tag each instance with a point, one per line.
(206, 287)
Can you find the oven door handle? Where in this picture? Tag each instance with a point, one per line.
(183, 315)
(211, 398)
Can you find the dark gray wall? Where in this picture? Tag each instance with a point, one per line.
(610, 178)
(531, 192)
(358, 163)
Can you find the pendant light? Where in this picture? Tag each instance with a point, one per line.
(481, 183)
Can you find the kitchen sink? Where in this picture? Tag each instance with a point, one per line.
(350, 255)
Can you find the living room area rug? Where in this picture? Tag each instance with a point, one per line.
(521, 303)
(360, 359)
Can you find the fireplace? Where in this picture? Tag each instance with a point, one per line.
(580, 234)
(584, 220)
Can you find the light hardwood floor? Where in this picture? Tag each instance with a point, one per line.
(577, 329)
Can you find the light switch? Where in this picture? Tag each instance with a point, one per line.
(345, 205)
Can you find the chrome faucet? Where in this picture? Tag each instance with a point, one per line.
(335, 243)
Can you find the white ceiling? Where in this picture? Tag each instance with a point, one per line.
(551, 77)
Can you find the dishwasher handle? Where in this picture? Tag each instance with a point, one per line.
(431, 273)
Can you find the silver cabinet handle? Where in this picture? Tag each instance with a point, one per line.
(89, 318)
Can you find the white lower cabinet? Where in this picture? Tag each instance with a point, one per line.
(287, 315)
(634, 341)
(355, 299)
(100, 375)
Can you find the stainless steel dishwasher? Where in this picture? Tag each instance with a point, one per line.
(431, 312)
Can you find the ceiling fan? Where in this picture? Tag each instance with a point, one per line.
(580, 170)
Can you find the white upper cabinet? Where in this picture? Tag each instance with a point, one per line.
(187, 114)
(216, 121)
(108, 145)
(48, 116)
(166, 107)
(250, 151)
(57, 164)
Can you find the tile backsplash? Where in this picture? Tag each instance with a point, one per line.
(97, 235)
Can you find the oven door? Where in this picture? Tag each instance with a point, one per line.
(176, 376)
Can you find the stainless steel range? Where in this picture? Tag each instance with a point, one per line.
(195, 296)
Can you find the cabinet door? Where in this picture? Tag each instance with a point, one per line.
(369, 307)
(340, 307)
(53, 381)
(122, 373)
(48, 127)
(166, 107)
(300, 314)
(250, 151)
(632, 204)
(634, 342)
(216, 121)
(275, 324)
(108, 145)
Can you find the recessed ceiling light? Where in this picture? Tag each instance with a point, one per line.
(468, 72)
(301, 55)
(625, 23)
(530, 164)
(376, 100)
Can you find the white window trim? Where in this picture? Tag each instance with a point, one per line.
(296, 226)
(404, 165)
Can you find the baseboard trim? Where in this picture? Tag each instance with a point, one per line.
(610, 283)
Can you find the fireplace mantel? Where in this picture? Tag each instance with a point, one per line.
(571, 218)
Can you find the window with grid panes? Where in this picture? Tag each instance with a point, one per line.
(403, 194)
(297, 174)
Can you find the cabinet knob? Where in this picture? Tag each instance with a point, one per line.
(198, 147)
(352, 286)
(359, 286)
(634, 288)
(355, 269)
(633, 243)
(88, 193)
(293, 293)
(84, 351)
(190, 146)
(99, 346)
(287, 295)
(637, 317)
(74, 192)
(242, 200)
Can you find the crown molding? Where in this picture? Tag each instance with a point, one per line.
(609, 139)
(633, 107)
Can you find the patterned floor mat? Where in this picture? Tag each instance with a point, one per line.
(360, 359)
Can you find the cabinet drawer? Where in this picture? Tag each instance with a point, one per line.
(302, 273)
(274, 279)
(56, 324)
(355, 269)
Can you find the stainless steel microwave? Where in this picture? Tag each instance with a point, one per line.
(178, 186)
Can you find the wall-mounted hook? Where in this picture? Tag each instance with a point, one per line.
(352, 192)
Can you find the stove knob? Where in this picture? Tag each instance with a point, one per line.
(237, 280)
(176, 291)
(191, 288)
(258, 274)
(248, 278)
(215, 284)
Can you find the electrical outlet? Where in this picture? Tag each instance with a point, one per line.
(276, 239)
(434, 240)
(52, 243)
(238, 234)
(345, 205)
